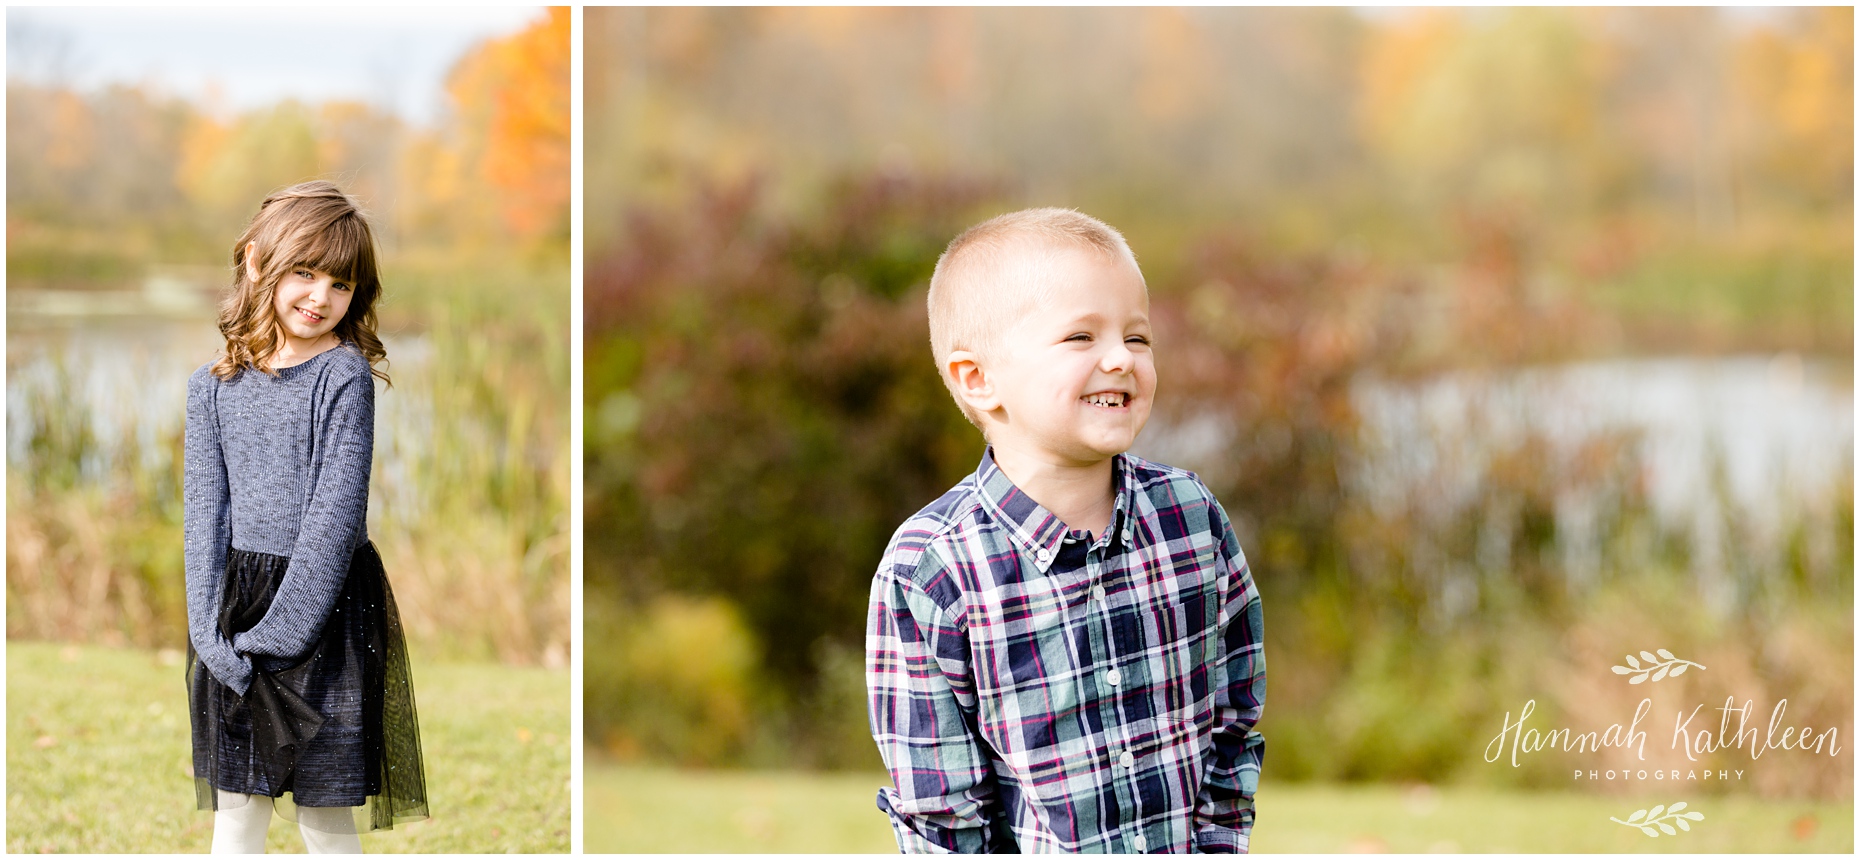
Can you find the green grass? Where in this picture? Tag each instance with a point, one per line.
(1306, 818)
(647, 810)
(651, 810)
(97, 757)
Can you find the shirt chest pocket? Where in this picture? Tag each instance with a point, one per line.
(1028, 679)
(1177, 632)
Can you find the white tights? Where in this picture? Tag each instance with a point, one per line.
(240, 823)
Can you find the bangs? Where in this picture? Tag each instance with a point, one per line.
(344, 250)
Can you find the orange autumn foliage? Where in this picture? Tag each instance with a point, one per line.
(1798, 81)
(514, 92)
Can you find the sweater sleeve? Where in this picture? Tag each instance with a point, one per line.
(333, 525)
(207, 532)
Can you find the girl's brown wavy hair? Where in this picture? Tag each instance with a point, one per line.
(313, 225)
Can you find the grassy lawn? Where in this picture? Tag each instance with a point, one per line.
(97, 757)
(646, 810)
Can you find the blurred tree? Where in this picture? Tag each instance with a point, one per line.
(1579, 125)
(1177, 67)
(83, 168)
(794, 357)
(102, 183)
(1797, 80)
(511, 95)
(1122, 105)
(226, 168)
(360, 145)
(1501, 107)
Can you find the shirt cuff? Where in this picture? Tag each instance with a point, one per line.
(1221, 840)
(912, 842)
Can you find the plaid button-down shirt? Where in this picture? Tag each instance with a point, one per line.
(1036, 689)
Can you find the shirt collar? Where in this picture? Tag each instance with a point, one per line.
(1034, 528)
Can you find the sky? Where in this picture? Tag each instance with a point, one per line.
(233, 58)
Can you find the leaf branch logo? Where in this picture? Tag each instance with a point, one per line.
(1648, 819)
(1663, 666)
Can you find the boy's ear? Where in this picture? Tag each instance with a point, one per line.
(972, 383)
(251, 261)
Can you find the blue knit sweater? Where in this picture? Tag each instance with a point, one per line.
(277, 465)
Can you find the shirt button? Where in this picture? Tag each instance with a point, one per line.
(1141, 843)
(1043, 555)
(1126, 537)
(1113, 677)
(1127, 760)
(1097, 593)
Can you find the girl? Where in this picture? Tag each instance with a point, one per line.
(297, 677)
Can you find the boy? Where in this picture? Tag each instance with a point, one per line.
(1064, 652)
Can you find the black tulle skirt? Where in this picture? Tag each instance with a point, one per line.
(336, 729)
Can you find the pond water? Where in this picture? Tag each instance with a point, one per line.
(1780, 431)
(130, 377)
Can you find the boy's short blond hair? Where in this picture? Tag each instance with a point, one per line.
(972, 299)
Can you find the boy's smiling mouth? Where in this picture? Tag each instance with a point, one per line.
(1107, 399)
